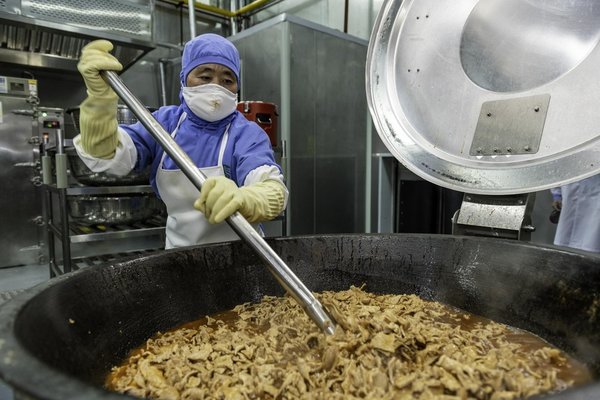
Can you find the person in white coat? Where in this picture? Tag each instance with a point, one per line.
(579, 223)
(234, 153)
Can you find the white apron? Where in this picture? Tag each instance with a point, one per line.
(187, 226)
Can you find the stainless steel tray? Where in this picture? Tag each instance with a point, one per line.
(488, 97)
(114, 210)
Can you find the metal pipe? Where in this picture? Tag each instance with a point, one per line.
(226, 13)
(285, 126)
(256, 10)
(65, 235)
(250, 7)
(237, 222)
(211, 9)
(47, 214)
(163, 81)
(233, 20)
(192, 15)
(368, 173)
(346, 16)
(61, 184)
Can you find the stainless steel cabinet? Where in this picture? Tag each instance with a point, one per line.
(316, 77)
(21, 234)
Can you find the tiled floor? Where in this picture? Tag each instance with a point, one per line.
(12, 281)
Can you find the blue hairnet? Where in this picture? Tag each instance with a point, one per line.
(209, 49)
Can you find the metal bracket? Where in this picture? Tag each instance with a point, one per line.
(512, 126)
(506, 216)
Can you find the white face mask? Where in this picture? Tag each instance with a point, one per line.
(211, 102)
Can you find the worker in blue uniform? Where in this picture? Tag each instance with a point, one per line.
(234, 153)
(579, 222)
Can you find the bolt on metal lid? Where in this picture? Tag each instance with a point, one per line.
(488, 97)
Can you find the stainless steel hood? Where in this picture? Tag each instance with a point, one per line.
(51, 33)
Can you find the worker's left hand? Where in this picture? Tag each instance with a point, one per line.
(96, 57)
(220, 198)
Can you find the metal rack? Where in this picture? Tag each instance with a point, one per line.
(79, 241)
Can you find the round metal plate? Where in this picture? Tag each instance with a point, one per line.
(488, 97)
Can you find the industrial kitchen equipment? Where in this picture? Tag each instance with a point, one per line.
(21, 234)
(265, 114)
(323, 117)
(95, 214)
(431, 98)
(51, 34)
(490, 99)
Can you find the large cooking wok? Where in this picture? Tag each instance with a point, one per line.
(58, 339)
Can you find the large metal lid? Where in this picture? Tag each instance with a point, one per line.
(488, 97)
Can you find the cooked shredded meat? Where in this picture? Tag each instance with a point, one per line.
(385, 347)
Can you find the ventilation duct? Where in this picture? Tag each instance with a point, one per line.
(51, 33)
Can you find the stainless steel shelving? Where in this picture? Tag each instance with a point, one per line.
(82, 241)
(153, 227)
(90, 190)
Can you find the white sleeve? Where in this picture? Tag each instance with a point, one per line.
(267, 172)
(121, 164)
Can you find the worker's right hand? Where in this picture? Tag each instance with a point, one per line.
(98, 113)
(95, 57)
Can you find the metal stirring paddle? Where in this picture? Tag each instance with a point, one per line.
(237, 222)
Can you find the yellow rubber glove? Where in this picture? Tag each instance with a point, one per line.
(98, 113)
(220, 198)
